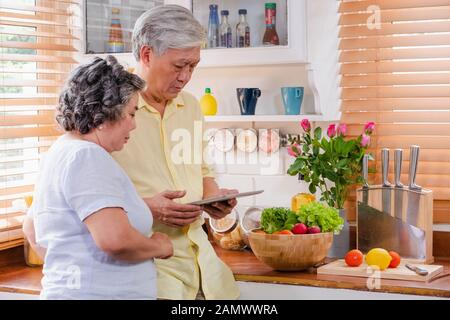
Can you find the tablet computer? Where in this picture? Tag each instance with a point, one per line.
(226, 197)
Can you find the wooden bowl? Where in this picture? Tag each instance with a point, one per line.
(290, 252)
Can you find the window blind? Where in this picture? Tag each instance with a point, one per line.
(39, 41)
(395, 71)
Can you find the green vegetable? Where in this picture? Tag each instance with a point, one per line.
(277, 219)
(317, 214)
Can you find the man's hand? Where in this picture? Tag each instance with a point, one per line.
(164, 243)
(218, 210)
(173, 214)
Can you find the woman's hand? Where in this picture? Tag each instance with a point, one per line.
(218, 210)
(173, 214)
(164, 243)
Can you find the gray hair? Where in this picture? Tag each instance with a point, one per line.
(167, 26)
(94, 93)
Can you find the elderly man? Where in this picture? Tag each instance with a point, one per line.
(166, 44)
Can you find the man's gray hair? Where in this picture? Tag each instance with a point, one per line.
(167, 26)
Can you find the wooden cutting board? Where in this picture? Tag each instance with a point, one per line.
(339, 267)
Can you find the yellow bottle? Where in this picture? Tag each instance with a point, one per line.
(208, 103)
(300, 199)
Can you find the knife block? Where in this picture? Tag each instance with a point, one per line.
(396, 219)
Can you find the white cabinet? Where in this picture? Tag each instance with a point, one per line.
(291, 21)
(307, 56)
(290, 24)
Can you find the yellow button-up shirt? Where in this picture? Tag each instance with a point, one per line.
(167, 154)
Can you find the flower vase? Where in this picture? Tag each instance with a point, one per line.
(341, 242)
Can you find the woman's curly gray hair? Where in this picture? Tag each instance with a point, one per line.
(94, 93)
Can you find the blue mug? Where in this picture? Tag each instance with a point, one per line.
(292, 99)
(247, 98)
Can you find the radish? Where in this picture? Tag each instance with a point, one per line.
(314, 229)
(299, 228)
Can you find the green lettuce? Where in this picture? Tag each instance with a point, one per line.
(318, 214)
(277, 219)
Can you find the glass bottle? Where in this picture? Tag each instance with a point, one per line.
(213, 27)
(115, 40)
(242, 30)
(270, 35)
(225, 30)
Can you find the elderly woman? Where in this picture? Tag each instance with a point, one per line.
(87, 214)
(166, 44)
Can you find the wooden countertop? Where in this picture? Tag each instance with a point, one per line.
(19, 278)
(246, 267)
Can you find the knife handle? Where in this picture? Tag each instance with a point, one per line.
(365, 170)
(413, 160)
(398, 154)
(420, 271)
(385, 166)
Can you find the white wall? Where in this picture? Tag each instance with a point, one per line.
(323, 54)
(224, 81)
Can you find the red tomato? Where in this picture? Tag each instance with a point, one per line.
(395, 259)
(285, 232)
(354, 258)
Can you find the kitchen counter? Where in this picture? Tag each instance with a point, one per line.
(19, 278)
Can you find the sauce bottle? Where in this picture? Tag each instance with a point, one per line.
(270, 35)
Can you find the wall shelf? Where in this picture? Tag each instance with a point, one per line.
(264, 118)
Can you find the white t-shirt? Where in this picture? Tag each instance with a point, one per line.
(78, 178)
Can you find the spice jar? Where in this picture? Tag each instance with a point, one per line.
(226, 232)
(247, 140)
(269, 140)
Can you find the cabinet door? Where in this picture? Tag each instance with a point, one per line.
(290, 26)
(109, 23)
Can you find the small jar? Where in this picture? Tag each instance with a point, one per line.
(269, 140)
(226, 232)
(251, 219)
(247, 140)
(31, 257)
(224, 140)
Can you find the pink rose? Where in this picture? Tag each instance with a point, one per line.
(342, 129)
(331, 132)
(293, 150)
(365, 140)
(306, 125)
(369, 127)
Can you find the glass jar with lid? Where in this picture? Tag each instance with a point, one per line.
(226, 232)
(251, 219)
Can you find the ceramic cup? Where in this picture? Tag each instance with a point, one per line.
(292, 99)
(247, 98)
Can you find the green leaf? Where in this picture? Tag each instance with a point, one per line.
(339, 145)
(348, 146)
(305, 148)
(325, 145)
(342, 163)
(296, 166)
(312, 188)
(318, 133)
(316, 150)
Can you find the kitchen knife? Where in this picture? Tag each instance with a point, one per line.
(365, 171)
(398, 191)
(420, 271)
(414, 191)
(386, 192)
